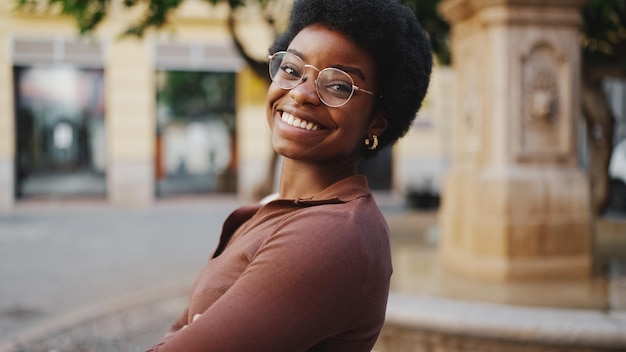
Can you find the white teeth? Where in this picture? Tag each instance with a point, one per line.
(297, 122)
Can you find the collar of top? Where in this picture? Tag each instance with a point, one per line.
(348, 189)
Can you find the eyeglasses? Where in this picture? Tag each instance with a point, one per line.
(334, 87)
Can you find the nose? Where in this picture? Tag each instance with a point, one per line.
(305, 92)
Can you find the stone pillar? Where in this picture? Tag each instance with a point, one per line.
(130, 121)
(516, 205)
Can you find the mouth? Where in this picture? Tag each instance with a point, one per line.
(297, 122)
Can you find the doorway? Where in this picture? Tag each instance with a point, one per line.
(196, 133)
(60, 132)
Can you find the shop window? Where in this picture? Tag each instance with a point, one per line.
(195, 132)
(60, 131)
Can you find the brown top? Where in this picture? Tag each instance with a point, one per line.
(293, 275)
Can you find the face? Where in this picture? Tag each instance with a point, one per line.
(303, 127)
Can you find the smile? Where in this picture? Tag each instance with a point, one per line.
(299, 123)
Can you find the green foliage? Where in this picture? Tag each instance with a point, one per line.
(604, 33)
(87, 13)
(198, 95)
(90, 13)
(156, 14)
(434, 25)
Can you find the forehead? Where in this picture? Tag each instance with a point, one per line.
(323, 47)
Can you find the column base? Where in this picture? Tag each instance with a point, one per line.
(517, 224)
(7, 184)
(516, 269)
(131, 183)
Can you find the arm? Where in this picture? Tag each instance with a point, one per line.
(301, 287)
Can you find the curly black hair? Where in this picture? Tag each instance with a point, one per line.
(391, 33)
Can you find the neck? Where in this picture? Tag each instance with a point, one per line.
(304, 180)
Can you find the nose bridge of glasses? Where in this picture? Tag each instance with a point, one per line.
(300, 87)
(304, 75)
(313, 67)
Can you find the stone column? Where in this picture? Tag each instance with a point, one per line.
(130, 122)
(516, 204)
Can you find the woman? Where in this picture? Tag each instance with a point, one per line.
(310, 270)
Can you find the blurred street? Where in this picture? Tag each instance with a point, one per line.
(64, 263)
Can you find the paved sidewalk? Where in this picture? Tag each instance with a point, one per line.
(64, 263)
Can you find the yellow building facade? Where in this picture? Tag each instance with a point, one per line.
(123, 134)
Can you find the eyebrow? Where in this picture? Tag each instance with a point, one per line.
(353, 70)
(348, 69)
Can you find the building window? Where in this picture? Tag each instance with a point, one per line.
(60, 131)
(195, 132)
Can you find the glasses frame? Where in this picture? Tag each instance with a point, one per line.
(304, 77)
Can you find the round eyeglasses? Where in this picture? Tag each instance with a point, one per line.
(334, 87)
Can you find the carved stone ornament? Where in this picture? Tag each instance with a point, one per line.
(541, 120)
(544, 101)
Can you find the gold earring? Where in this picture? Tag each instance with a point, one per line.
(374, 142)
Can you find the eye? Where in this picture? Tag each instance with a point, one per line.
(290, 70)
(339, 88)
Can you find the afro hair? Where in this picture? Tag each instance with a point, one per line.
(391, 33)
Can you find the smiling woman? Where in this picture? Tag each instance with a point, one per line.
(310, 270)
(343, 119)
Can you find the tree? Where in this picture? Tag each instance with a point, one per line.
(603, 39)
(604, 53)
(90, 13)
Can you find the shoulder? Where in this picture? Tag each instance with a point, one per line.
(340, 251)
(356, 230)
(360, 213)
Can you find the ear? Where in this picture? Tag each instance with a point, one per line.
(378, 125)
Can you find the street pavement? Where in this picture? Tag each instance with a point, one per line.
(66, 263)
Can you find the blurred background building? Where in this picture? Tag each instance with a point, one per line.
(177, 111)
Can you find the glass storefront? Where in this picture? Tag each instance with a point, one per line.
(195, 132)
(60, 131)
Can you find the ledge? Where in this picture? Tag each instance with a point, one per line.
(527, 325)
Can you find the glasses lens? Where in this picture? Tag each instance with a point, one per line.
(335, 87)
(286, 69)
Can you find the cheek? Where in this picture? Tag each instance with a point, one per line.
(273, 94)
(360, 120)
